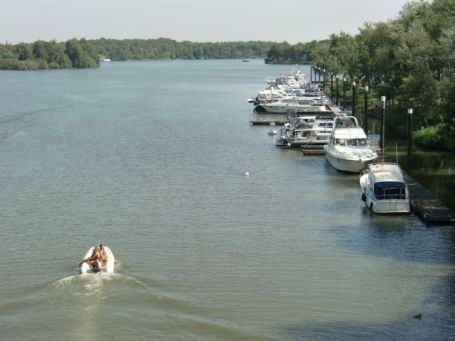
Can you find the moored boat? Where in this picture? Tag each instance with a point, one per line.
(348, 149)
(384, 189)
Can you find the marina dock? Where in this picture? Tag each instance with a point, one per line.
(267, 119)
(426, 206)
(423, 203)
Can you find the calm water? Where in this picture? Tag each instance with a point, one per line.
(149, 158)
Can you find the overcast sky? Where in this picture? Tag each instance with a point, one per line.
(195, 20)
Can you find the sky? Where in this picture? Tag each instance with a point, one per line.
(194, 20)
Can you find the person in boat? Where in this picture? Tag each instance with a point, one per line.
(98, 256)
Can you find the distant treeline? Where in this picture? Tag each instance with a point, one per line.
(49, 55)
(84, 53)
(163, 48)
(410, 60)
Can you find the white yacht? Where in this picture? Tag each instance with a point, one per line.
(296, 103)
(312, 131)
(348, 149)
(384, 189)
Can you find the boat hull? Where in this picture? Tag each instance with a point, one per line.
(348, 165)
(388, 206)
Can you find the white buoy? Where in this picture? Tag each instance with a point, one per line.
(247, 173)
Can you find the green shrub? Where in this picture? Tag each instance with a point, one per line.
(440, 136)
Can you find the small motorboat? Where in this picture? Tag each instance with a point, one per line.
(103, 266)
(384, 189)
(272, 131)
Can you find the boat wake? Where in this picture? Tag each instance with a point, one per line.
(92, 284)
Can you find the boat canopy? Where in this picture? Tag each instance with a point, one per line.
(385, 172)
(390, 190)
(349, 133)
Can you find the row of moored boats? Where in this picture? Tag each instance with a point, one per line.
(315, 124)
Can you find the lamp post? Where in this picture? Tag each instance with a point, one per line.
(365, 119)
(323, 80)
(337, 92)
(344, 93)
(409, 132)
(353, 98)
(383, 126)
(331, 86)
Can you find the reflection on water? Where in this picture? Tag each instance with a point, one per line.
(434, 170)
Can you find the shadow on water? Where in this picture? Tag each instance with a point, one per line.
(433, 170)
(433, 319)
(399, 237)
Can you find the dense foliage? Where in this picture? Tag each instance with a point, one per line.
(48, 55)
(87, 53)
(410, 60)
(163, 48)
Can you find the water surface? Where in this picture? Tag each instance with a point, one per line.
(150, 159)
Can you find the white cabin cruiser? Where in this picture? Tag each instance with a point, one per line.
(384, 189)
(309, 130)
(348, 149)
(297, 103)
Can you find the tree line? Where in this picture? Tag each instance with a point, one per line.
(410, 60)
(40, 54)
(164, 48)
(84, 53)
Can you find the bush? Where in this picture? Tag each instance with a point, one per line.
(440, 137)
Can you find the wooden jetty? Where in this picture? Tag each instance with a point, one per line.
(266, 119)
(426, 206)
(312, 149)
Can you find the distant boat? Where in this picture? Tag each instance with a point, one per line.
(272, 131)
(106, 60)
(384, 189)
(246, 60)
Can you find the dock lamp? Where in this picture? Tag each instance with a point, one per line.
(353, 98)
(337, 102)
(366, 110)
(409, 131)
(383, 100)
(323, 80)
(344, 93)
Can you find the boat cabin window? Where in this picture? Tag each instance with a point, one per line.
(389, 190)
(341, 142)
(357, 142)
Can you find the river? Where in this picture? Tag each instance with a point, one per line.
(149, 158)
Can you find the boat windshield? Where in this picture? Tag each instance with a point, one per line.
(352, 142)
(389, 190)
(356, 142)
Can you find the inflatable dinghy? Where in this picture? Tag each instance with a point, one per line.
(103, 266)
